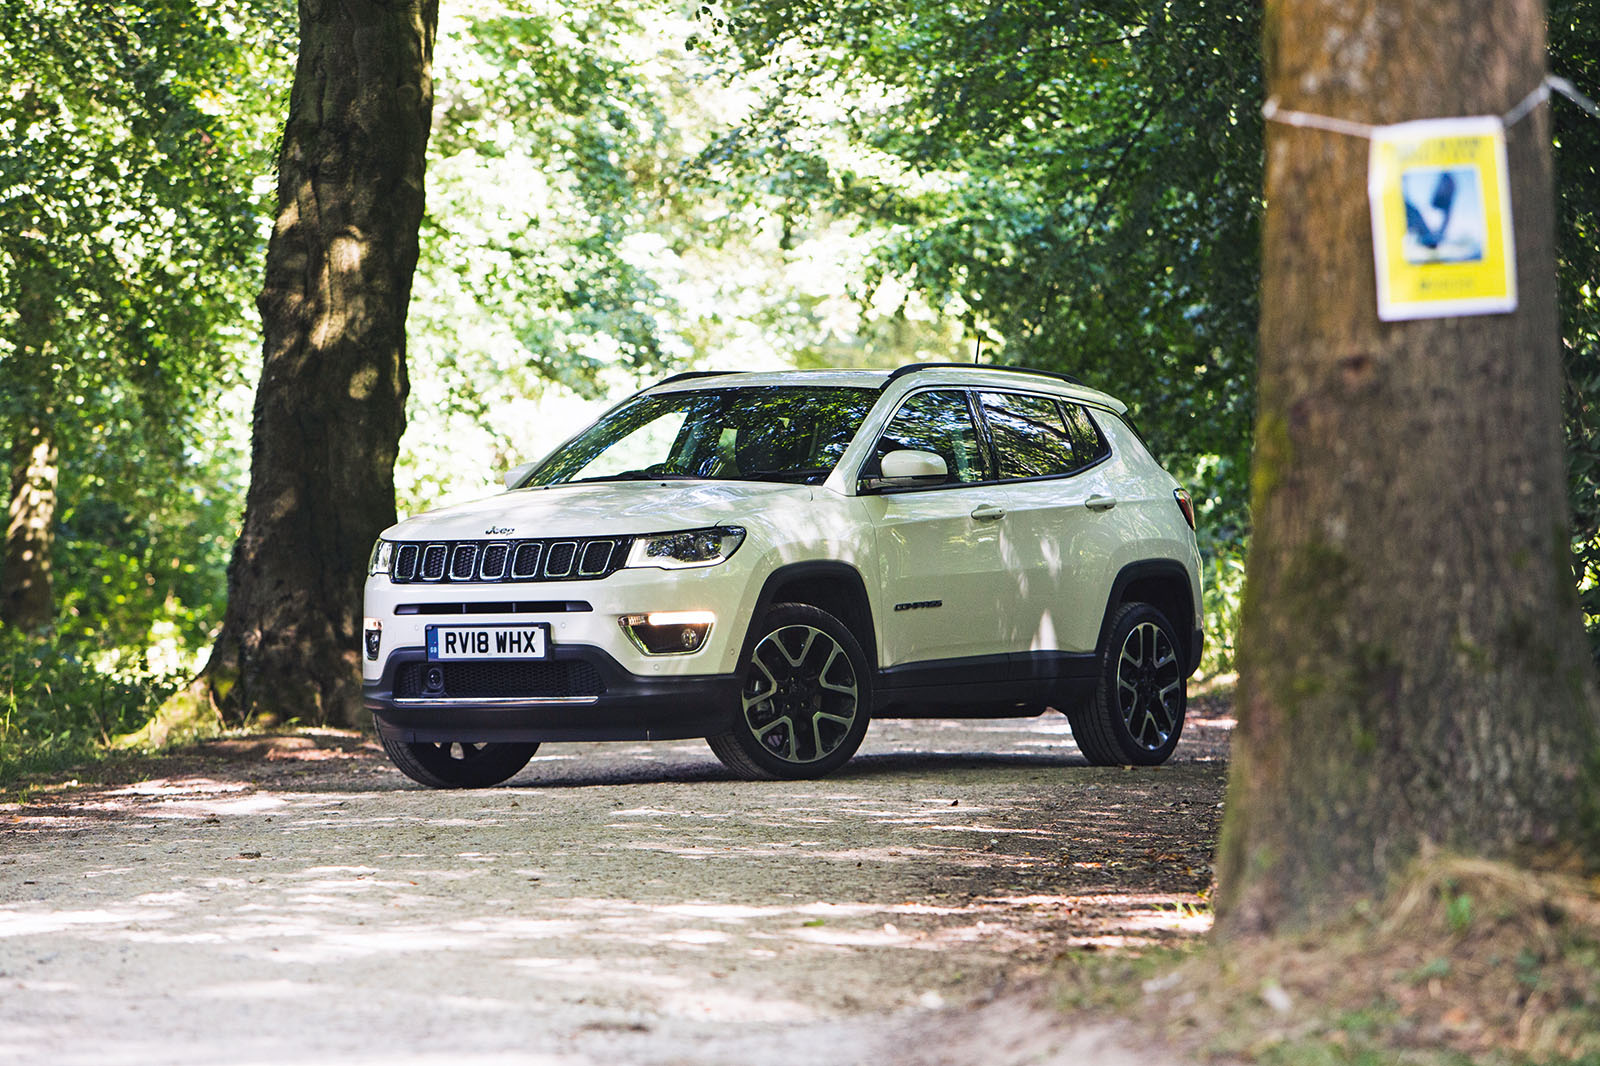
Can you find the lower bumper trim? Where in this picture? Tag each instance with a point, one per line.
(631, 707)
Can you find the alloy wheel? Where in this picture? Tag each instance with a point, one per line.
(1149, 683)
(801, 698)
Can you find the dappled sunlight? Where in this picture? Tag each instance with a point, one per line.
(14, 923)
(188, 787)
(647, 890)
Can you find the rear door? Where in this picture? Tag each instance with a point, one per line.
(1060, 528)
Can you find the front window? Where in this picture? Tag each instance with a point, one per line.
(784, 433)
(939, 422)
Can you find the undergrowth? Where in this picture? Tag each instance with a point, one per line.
(1468, 962)
(63, 700)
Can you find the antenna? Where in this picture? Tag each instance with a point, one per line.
(977, 350)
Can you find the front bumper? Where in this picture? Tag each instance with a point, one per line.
(612, 704)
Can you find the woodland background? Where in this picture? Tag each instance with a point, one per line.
(616, 190)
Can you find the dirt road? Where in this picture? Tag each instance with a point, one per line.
(294, 899)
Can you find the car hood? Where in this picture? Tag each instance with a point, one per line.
(609, 508)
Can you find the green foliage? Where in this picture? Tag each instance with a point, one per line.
(546, 162)
(1079, 184)
(63, 700)
(1574, 27)
(132, 137)
(550, 217)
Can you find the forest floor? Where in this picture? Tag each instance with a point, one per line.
(293, 898)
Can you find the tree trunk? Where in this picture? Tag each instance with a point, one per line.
(1412, 667)
(330, 406)
(27, 598)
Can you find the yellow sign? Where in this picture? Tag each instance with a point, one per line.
(1441, 219)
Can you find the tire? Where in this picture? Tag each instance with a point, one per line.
(1141, 693)
(458, 765)
(804, 698)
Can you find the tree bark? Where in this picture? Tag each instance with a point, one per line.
(330, 406)
(27, 595)
(1412, 667)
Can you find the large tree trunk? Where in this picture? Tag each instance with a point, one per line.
(27, 599)
(330, 406)
(1412, 666)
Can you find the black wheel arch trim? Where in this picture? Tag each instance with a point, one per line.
(1192, 632)
(825, 570)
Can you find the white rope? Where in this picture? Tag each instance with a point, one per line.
(1272, 112)
(1529, 102)
(1570, 91)
(1304, 119)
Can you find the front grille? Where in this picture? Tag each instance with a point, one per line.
(459, 561)
(505, 680)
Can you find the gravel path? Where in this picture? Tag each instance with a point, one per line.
(294, 899)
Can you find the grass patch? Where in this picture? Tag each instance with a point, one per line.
(1468, 962)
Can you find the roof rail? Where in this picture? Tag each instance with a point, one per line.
(911, 368)
(687, 374)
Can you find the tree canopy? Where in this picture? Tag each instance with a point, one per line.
(624, 188)
(129, 237)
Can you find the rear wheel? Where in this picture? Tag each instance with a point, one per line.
(803, 704)
(1136, 714)
(457, 765)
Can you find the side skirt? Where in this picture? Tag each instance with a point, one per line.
(985, 686)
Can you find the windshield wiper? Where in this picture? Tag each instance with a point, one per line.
(634, 475)
(814, 475)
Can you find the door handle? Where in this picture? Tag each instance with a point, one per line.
(1098, 502)
(988, 512)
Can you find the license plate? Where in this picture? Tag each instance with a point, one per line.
(488, 642)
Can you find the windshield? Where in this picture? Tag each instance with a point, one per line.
(787, 433)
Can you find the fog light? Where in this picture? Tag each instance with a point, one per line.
(373, 632)
(668, 632)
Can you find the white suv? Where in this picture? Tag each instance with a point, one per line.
(771, 560)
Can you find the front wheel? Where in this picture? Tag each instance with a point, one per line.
(457, 765)
(1140, 696)
(803, 703)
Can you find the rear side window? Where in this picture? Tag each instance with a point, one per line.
(1087, 441)
(1030, 436)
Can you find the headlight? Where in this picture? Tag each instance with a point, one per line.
(694, 547)
(382, 556)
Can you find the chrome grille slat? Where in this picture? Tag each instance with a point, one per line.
(559, 558)
(493, 567)
(595, 550)
(494, 562)
(527, 560)
(464, 561)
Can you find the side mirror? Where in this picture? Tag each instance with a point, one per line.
(517, 473)
(908, 467)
